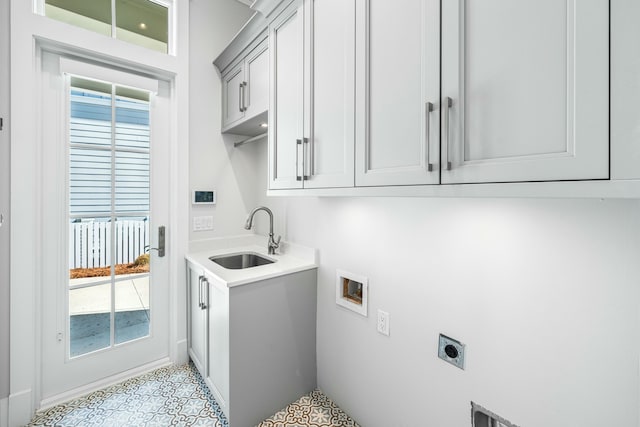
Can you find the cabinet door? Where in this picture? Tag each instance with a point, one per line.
(256, 96)
(398, 92)
(286, 34)
(197, 321)
(218, 375)
(330, 93)
(232, 93)
(528, 83)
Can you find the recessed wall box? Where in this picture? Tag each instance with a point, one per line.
(203, 197)
(481, 417)
(352, 292)
(451, 351)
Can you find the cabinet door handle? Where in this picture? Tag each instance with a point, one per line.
(298, 144)
(428, 110)
(244, 96)
(306, 147)
(205, 301)
(240, 98)
(200, 291)
(447, 106)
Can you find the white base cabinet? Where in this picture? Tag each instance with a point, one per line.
(260, 352)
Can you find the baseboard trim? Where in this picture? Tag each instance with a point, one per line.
(100, 384)
(4, 412)
(182, 355)
(19, 408)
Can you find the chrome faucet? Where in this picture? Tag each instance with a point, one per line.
(273, 244)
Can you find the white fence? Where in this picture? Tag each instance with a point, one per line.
(90, 242)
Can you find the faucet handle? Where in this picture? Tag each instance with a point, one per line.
(278, 241)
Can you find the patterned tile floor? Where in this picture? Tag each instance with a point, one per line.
(177, 396)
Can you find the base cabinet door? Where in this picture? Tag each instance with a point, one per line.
(525, 90)
(197, 319)
(218, 338)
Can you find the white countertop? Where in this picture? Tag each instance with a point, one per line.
(290, 258)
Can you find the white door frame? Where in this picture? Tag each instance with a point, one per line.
(29, 32)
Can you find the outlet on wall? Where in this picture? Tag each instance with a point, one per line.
(383, 322)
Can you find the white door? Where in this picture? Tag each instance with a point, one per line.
(398, 91)
(105, 195)
(528, 83)
(330, 93)
(286, 108)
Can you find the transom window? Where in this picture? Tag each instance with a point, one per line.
(142, 22)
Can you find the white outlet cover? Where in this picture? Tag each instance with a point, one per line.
(383, 322)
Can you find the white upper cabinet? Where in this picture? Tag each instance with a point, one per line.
(286, 107)
(245, 93)
(528, 84)
(398, 92)
(232, 88)
(312, 129)
(330, 93)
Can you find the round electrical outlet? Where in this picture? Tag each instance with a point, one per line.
(451, 351)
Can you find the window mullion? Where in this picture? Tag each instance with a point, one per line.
(113, 19)
(113, 210)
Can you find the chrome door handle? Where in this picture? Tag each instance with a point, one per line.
(240, 97)
(205, 301)
(161, 242)
(428, 110)
(447, 107)
(1, 220)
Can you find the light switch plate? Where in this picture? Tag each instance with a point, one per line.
(202, 223)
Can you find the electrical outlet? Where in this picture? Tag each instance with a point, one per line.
(383, 322)
(451, 351)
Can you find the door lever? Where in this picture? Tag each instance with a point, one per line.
(160, 248)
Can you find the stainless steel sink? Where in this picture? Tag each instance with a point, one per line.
(242, 260)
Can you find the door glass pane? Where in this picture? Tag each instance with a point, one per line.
(94, 15)
(142, 22)
(108, 215)
(89, 317)
(132, 307)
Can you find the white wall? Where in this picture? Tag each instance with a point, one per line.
(4, 202)
(214, 162)
(544, 293)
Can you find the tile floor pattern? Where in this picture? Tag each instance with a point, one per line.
(177, 396)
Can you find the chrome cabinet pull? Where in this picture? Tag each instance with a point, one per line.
(447, 107)
(205, 301)
(305, 147)
(240, 98)
(244, 96)
(428, 110)
(200, 291)
(298, 144)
